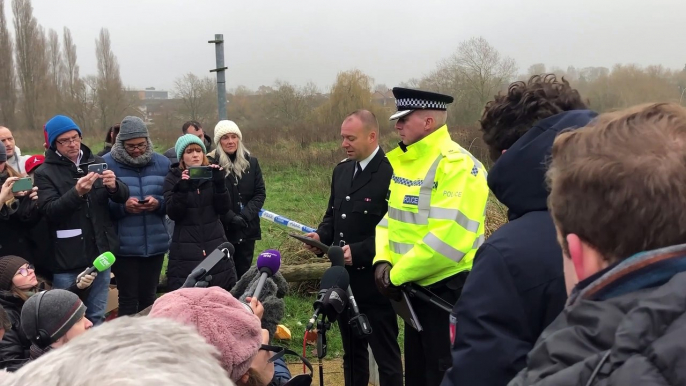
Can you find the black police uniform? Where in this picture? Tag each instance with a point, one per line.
(355, 208)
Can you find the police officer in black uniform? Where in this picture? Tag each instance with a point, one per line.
(357, 203)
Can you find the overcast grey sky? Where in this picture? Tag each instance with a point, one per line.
(391, 40)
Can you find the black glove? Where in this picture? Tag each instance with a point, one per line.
(192, 279)
(239, 222)
(382, 277)
(218, 176)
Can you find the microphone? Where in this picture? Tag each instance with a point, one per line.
(101, 263)
(336, 256)
(268, 263)
(359, 321)
(224, 250)
(334, 277)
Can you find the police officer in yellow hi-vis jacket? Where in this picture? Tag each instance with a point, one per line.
(434, 225)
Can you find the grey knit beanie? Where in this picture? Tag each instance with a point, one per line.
(132, 127)
(59, 311)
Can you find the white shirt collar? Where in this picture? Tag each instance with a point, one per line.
(78, 160)
(365, 162)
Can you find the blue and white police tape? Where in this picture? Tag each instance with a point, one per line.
(275, 218)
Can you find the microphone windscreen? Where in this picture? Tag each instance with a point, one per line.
(104, 261)
(335, 277)
(229, 246)
(270, 259)
(336, 256)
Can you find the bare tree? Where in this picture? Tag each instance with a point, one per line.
(198, 96)
(535, 69)
(78, 99)
(32, 63)
(486, 72)
(112, 100)
(8, 87)
(55, 72)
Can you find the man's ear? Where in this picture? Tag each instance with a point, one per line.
(576, 253)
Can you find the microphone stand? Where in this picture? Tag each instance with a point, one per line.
(322, 326)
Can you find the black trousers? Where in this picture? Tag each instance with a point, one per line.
(383, 341)
(427, 353)
(245, 251)
(137, 279)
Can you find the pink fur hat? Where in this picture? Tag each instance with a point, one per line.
(221, 319)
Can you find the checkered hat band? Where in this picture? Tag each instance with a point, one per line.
(414, 103)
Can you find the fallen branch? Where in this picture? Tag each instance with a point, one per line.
(303, 272)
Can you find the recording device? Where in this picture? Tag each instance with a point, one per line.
(268, 263)
(331, 299)
(145, 201)
(224, 250)
(200, 173)
(101, 263)
(97, 168)
(22, 185)
(359, 322)
(428, 296)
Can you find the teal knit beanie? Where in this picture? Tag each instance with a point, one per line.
(183, 142)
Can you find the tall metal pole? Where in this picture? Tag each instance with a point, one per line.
(221, 76)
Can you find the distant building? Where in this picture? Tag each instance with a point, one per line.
(150, 93)
(383, 98)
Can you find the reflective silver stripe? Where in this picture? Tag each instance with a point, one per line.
(426, 188)
(454, 215)
(434, 213)
(478, 242)
(400, 248)
(383, 223)
(406, 216)
(444, 249)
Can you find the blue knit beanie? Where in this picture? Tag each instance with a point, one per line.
(183, 142)
(58, 125)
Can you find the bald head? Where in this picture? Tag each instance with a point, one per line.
(8, 140)
(367, 118)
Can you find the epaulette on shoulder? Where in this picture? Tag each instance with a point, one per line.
(344, 160)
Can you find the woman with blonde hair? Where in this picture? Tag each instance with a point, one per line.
(195, 206)
(244, 180)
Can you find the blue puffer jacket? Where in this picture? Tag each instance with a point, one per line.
(142, 234)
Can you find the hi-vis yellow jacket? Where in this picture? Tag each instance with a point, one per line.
(436, 211)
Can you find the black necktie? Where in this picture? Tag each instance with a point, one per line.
(358, 170)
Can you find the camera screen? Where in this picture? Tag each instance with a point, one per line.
(203, 172)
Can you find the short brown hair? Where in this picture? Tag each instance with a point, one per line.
(619, 183)
(508, 117)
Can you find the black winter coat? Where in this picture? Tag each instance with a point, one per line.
(80, 228)
(16, 222)
(351, 216)
(516, 287)
(196, 206)
(14, 347)
(248, 194)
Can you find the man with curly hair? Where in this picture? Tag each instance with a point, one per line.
(516, 287)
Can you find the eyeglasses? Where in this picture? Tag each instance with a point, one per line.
(69, 141)
(24, 271)
(140, 146)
